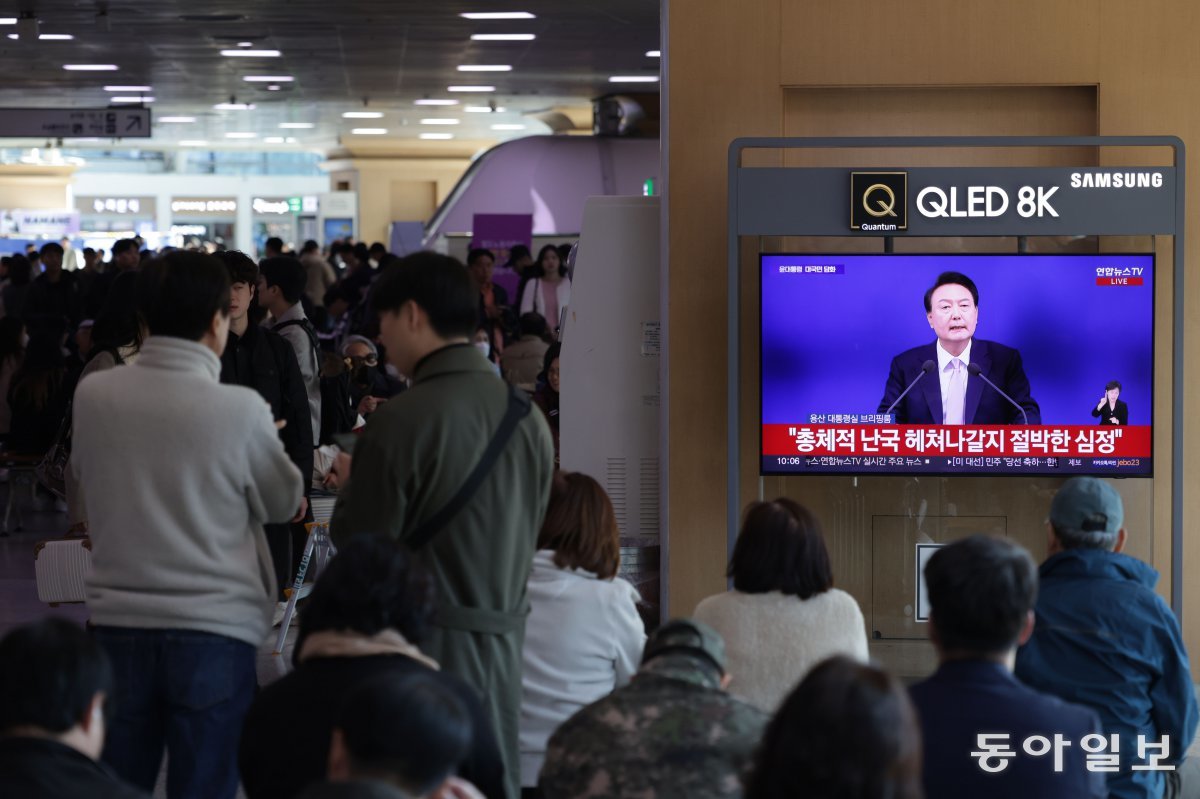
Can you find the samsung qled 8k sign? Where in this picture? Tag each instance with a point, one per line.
(997, 364)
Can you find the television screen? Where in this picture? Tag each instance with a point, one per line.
(996, 364)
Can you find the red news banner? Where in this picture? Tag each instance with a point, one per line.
(1081, 441)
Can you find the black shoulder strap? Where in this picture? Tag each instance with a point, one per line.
(307, 327)
(518, 408)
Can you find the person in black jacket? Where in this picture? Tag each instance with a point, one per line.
(1112, 410)
(364, 619)
(54, 685)
(264, 361)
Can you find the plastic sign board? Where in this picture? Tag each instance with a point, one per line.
(104, 123)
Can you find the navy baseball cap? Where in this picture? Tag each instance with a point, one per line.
(1087, 505)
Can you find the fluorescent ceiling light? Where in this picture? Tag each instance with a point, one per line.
(8, 20)
(133, 99)
(483, 109)
(503, 37)
(241, 135)
(363, 115)
(633, 79)
(56, 37)
(175, 120)
(273, 140)
(90, 67)
(435, 102)
(128, 89)
(498, 15)
(436, 136)
(296, 125)
(242, 53)
(477, 89)
(245, 44)
(193, 143)
(439, 121)
(369, 131)
(654, 54)
(272, 88)
(268, 79)
(484, 68)
(508, 127)
(234, 107)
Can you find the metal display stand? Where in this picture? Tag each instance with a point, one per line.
(799, 201)
(321, 547)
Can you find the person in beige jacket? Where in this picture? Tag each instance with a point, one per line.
(521, 362)
(783, 615)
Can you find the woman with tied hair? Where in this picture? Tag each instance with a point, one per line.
(848, 731)
(783, 615)
(583, 637)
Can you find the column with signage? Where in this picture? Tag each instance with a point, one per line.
(203, 220)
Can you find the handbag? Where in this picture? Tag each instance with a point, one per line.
(61, 568)
(51, 470)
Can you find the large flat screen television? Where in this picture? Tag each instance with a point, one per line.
(968, 363)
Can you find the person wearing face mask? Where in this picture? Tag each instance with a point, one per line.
(369, 386)
(485, 343)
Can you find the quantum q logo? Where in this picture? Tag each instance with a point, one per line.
(878, 201)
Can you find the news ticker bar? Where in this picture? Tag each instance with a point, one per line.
(977, 464)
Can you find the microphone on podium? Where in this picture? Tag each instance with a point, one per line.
(974, 369)
(926, 368)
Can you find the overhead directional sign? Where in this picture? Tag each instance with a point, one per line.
(102, 123)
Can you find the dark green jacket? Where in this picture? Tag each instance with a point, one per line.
(415, 453)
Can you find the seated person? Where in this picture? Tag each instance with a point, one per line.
(847, 731)
(54, 684)
(365, 617)
(783, 615)
(981, 595)
(583, 636)
(398, 738)
(673, 731)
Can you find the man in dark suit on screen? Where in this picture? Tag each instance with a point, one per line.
(950, 391)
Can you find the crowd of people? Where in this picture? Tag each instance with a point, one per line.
(472, 636)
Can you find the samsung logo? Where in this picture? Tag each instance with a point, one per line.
(1116, 180)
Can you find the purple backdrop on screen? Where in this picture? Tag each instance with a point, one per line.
(828, 338)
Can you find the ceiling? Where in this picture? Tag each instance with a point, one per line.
(343, 56)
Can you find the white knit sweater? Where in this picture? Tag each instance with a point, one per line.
(773, 640)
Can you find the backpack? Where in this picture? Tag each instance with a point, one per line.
(338, 413)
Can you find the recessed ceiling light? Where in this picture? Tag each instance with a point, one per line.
(477, 89)
(427, 101)
(193, 143)
(56, 37)
(175, 120)
(436, 136)
(369, 131)
(234, 107)
(498, 15)
(128, 89)
(273, 88)
(654, 54)
(241, 135)
(245, 44)
(484, 68)
(508, 127)
(90, 67)
(273, 140)
(268, 79)
(296, 125)
(633, 79)
(8, 20)
(131, 99)
(251, 53)
(483, 109)
(503, 37)
(439, 121)
(362, 115)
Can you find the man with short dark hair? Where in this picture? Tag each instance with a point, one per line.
(1106, 640)
(281, 283)
(273, 247)
(54, 687)
(419, 475)
(492, 298)
(55, 292)
(981, 595)
(179, 473)
(957, 394)
(673, 731)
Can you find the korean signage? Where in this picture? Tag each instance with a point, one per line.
(204, 206)
(104, 123)
(41, 223)
(117, 206)
(270, 206)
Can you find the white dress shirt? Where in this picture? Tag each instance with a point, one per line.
(945, 369)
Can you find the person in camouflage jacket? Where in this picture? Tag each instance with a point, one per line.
(673, 731)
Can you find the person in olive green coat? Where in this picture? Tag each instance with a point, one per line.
(415, 454)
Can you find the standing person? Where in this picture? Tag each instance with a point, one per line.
(546, 396)
(16, 288)
(320, 274)
(125, 258)
(1104, 639)
(55, 292)
(12, 353)
(273, 248)
(547, 289)
(418, 453)
(181, 588)
(584, 636)
(673, 731)
(1112, 410)
(281, 283)
(262, 360)
(39, 393)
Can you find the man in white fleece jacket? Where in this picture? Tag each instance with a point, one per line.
(179, 473)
